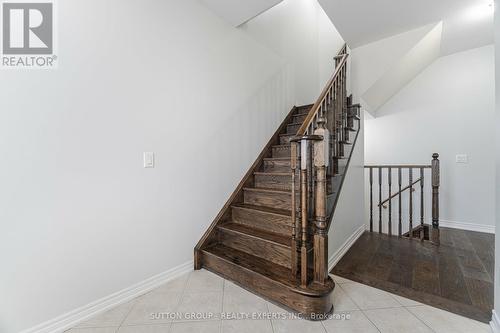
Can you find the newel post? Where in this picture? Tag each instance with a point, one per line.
(435, 197)
(320, 247)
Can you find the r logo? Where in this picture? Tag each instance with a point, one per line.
(27, 28)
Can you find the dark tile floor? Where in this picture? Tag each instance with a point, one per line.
(456, 276)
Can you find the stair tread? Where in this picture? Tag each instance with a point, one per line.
(257, 233)
(256, 264)
(271, 210)
(277, 159)
(269, 190)
(267, 269)
(266, 173)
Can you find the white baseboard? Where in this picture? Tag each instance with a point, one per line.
(467, 226)
(495, 322)
(73, 318)
(335, 258)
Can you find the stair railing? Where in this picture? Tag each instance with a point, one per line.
(313, 161)
(385, 179)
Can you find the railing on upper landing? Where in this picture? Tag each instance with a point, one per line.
(405, 178)
(318, 143)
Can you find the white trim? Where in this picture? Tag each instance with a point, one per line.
(335, 258)
(72, 318)
(467, 226)
(495, 322)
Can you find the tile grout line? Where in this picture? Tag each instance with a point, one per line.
(425, 324)
(222, 304)
(366, 316)
(269, 312)
(125, 317)
(181, 296)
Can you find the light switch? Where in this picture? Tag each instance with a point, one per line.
(461, 158)
(149, 160)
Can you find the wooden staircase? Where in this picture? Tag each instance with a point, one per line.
(271, 237)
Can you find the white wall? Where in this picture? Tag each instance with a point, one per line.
(449, 109)
(349, 215)
(80, 217)
(497, 153)
(300, 31)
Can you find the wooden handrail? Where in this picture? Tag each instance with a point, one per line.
(403, 166)
(311, 158)
(395, 195)
(425, 232)
(314, 110)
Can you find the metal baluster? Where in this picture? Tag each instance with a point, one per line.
(410, 176)
(371, 199)
(380, 200)
(400, 201)
(422, 232)
(389, 175)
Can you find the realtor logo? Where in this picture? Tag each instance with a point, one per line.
(28, 34)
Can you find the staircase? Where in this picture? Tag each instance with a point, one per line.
(271, 237)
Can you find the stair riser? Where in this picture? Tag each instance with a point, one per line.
(276, 182)
(276, 253)
(262, 220)
(285, 139)
(292, 129)
(267, 288)
(281, 152)
(299, 118)
(277, 166)
(269, 199)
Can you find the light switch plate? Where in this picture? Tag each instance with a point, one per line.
(461, 158)
(149, 160)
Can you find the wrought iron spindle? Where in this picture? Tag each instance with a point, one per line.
(422, 230)
(380, 200)
(371, 199)
(410, 176)
(400, 204)
(389, 176)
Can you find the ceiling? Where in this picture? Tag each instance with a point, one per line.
(237, 12)
(361, 22)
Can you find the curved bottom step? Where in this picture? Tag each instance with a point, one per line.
(270, 281)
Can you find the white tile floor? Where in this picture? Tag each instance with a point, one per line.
(203, 296)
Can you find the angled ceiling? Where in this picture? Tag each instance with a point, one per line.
(361, 22)
(237, 12)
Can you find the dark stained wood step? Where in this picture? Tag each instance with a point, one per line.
(266, 269)
(263, 244)
(267, 197)
(261, 217)
(275, 180)
(293, 128)
(281, 164)
(285, 138)
(281, 151)
(258, 234)
(299, 118)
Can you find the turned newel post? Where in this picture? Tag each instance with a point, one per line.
(303, 211)
(320, 242)
(295, 226)
(435, 198)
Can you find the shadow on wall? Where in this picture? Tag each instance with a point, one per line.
(234, 140)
